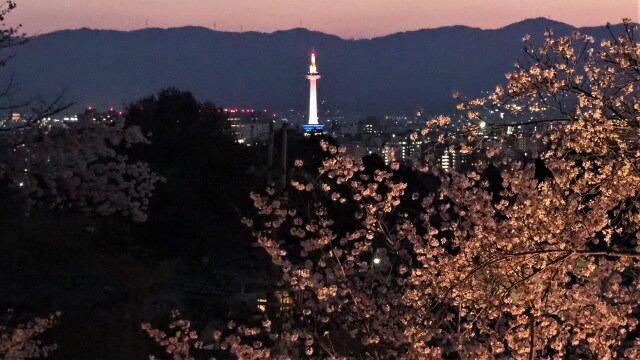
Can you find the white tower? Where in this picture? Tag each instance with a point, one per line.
(313, 76)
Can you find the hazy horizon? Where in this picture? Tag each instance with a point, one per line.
(361, 19)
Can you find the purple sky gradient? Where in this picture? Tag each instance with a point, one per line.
(346, 18)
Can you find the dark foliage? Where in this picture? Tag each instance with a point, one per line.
(208, 175)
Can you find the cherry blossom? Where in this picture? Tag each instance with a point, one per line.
(539, 261)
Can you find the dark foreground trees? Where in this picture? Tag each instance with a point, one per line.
(54, 177)
(196, 211)
(103, 271)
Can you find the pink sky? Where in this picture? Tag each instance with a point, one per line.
(346, 18)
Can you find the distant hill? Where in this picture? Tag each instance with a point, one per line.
(399, 72)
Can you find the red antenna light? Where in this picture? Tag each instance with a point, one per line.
(90, 108)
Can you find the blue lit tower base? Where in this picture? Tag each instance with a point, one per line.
(313, 128)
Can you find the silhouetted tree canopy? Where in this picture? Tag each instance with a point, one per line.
(207, 174)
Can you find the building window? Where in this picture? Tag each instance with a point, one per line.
(262, 305)
(286, 302)
(304, 273)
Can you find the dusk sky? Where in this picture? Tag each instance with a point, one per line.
(346, 18)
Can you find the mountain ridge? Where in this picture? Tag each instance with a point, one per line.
(547, 21)
(399, 72)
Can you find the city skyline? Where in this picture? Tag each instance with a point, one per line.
(360, 19)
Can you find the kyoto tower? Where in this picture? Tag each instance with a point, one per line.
(313, 76)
